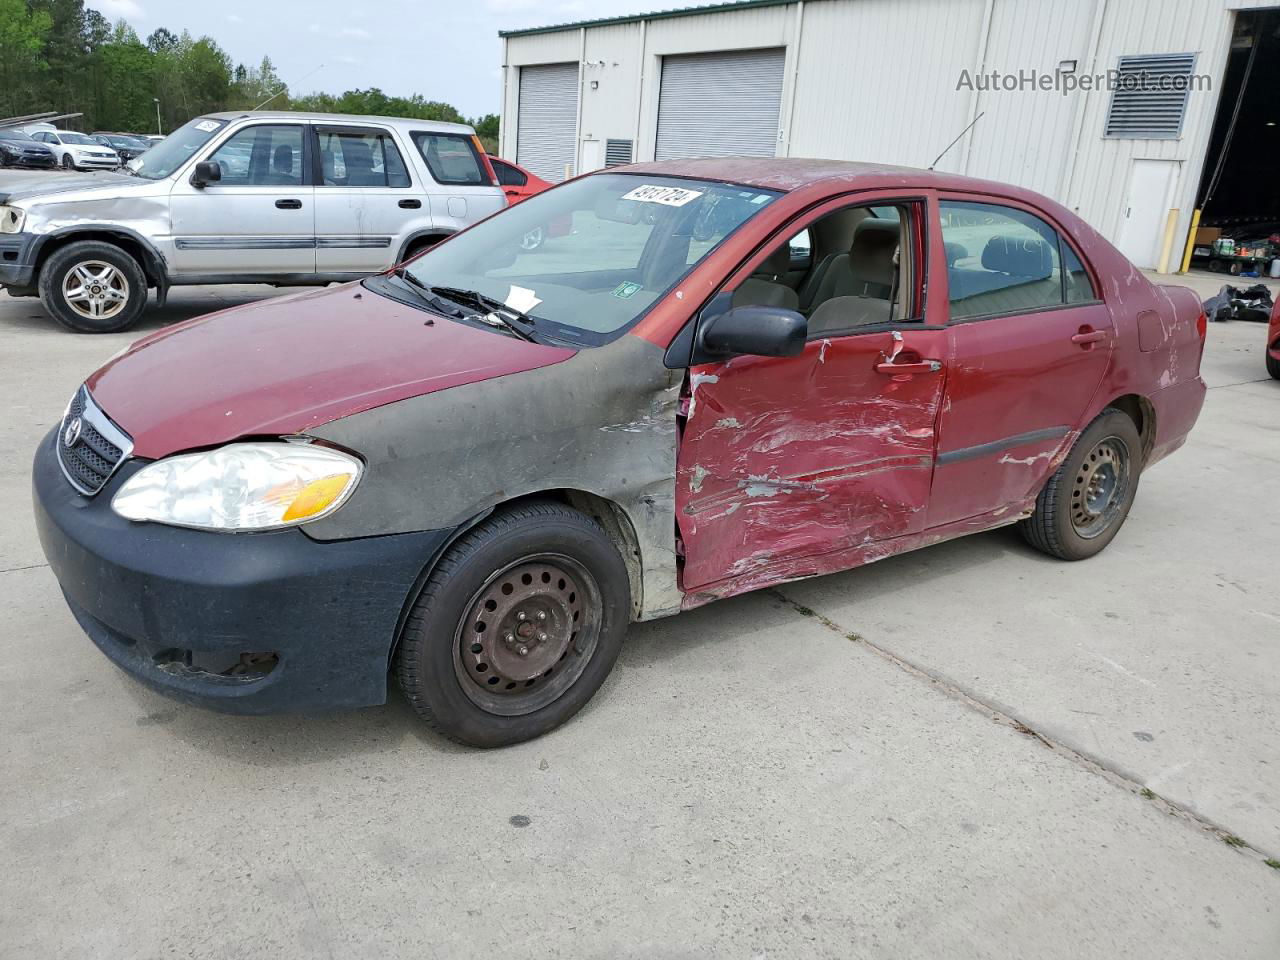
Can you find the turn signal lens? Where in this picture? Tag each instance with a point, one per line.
(316, 497)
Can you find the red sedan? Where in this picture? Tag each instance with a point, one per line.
(516, 182)
(478, 468)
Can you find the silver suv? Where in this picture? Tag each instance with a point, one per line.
(261, 197)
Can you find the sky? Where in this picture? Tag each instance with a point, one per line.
(443, 49)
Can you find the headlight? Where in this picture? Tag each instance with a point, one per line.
(12, 219)
(242, 486)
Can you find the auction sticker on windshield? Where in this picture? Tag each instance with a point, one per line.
(668, 196)
(208, 126)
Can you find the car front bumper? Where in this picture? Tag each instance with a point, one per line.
(240, 623)
(18, 259)
(102, 163)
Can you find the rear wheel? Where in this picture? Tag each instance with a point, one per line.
(517, 626)
(1273, 366)
(93, 287)
(1085, 502)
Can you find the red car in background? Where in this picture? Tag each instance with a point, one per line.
(479, 468)
(516, 182)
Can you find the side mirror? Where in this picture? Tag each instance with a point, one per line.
(206, 172)
(759, 331)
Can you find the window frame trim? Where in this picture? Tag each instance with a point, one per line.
(317, 165)
(991, 200)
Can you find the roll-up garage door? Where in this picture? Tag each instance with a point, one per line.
(548, 113)
(720, 104)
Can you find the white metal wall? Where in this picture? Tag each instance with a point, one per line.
(876, 80)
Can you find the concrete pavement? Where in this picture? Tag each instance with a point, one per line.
(944, 754)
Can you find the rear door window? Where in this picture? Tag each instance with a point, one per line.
(451, 158)
(1000, 260)
(508, 176)
(360, 158)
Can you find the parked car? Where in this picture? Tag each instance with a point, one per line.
(127, 147)
(520, 184)
(261, 197)
(18, 149)
(78, 151)
(516, 182)
(1273, 343)
(478, 468)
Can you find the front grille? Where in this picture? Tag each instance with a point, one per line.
(90, 447)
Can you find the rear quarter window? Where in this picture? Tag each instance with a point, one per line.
(451, 158)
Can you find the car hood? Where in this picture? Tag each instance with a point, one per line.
(104, 186)
(286, 365)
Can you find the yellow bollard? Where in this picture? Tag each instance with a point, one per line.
(1166, 247)
(1191, 240)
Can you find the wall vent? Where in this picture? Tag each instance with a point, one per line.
(618, 152)
(1149, 99)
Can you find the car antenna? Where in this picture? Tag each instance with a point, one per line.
(957, 139)
(285, 87)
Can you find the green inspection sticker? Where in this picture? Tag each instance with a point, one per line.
(626, 290)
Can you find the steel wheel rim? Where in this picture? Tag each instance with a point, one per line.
(546, 604)
(95, 289)
(532, 240)
(1100, 487)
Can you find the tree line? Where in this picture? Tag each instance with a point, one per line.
(57, 55)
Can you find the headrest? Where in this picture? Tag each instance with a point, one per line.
(776, 264)
(1018, 256)
(358, 154)
(282, 159)
(955, 252)
(871, 254)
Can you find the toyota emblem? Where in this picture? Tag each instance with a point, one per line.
(71, 434)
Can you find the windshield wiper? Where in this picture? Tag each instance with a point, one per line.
(497, 313)
(426, 294)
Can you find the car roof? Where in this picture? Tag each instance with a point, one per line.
(434, 126)
(787, 174)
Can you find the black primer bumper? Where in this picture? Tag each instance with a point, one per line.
(161, 601)
(17, 259)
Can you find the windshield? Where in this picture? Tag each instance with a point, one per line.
(176, 149)
(77, 138)
(588, 259)
(14, 135)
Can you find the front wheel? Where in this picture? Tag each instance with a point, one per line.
(1085, 502)
(1273, 366)
(67, 162)
(517, 626)
(93, 287)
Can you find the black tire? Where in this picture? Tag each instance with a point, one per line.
(441, 661)
(1273, 367)
(67, 162)
(128, 280)
(1058, 527)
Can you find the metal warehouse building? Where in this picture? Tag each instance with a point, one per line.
(895, 81)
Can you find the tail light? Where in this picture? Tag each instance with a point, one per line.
(484, 159)
(1202, 325)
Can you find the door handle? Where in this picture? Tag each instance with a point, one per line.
(1088, 336)
(289, 204)
(512, 192)
(410, 203)
(900, 369)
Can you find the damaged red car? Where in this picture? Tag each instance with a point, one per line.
(474, 471)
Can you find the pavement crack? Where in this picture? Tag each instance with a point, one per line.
(1241, 383)
(1001, 716)
(30, 566)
